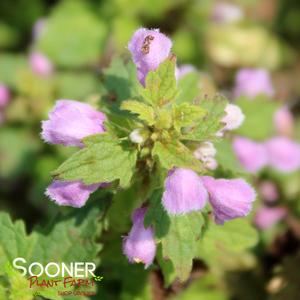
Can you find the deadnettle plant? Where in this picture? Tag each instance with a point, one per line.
(155, 146)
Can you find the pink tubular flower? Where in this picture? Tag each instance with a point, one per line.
(40, 64)
(284, 121)
(268, 191)
(4, 95)
(230, 198)
(284, 154)
(266, 217)
(70, 193)
(139, 245)
(234, 117)
(252, 155)
(252, 82)
(184, 192)
(70, 121)
(148, 49)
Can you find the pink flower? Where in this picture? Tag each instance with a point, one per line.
(70, 193)
(268, 191)
(252, 155)
(266, 217)
(139, 245)
(184, 192)
(71, 121)
(229, 198)
(253, 82)
(148, 48)
(4, 95)
(183, 70)
(283, 154)
(284, 121)
(40, 64)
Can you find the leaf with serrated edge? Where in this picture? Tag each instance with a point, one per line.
(103, 161)
(175, 155)
(211, 123)
(161, 85)
(144, 111)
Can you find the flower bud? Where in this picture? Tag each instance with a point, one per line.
(253, 82)
(136, 136)
(183, 70)
(4, 95)
(205, 149)
(252, 155)
(268, 191)
(284, 154)
(148, 48)
(71, 121)
(230, 198)
(210, 163)
(284, 122)
(139, 245)
(70, 193)
(234, 117)
(266, 217)
(184, 192)
(40, 64)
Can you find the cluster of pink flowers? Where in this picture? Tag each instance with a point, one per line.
(184, 190)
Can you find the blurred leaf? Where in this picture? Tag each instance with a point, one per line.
(77, 86)
(8, 36)
(257, 111)
(73, 35)
(234, 236)
(188, 87)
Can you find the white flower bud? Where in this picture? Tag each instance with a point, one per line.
(136, 136)
(234, 117)
(210, 163)
(206, 149)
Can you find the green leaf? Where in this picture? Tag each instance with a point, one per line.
(178, 235)
(186, 114)
(161, 86)
(257, 111)
(234, 236)
(69, 238)
(120, 81)
(175, 155)
(74, 36)
(103, 161)
(210, 124)
(188, 86)
(144, 111)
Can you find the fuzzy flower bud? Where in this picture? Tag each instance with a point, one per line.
(252, 155)
(230, 198)
(136, 136)
(210, 163)
(4, 95)
(139, 245)
(266, 217)
(284, 154)
(253, 82)
(70, 193)
(184, 192)
(71, 121)
(183, 70)
(206, 152)
(284, 121)
(234, 117)
(148, 48)
(40, 64)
